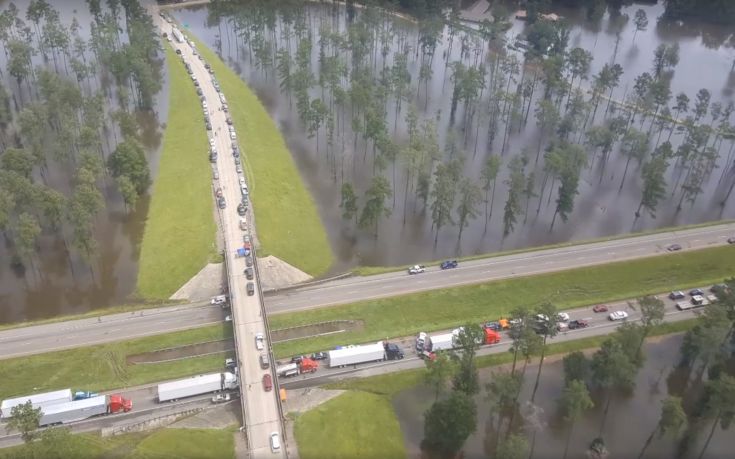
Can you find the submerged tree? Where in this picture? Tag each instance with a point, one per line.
(375, 204)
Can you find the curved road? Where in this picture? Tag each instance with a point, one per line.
(64, 335)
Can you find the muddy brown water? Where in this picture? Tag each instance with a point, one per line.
(60, 284)
(630, 420)
(600, 208)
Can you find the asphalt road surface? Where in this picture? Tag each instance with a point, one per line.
(83, 332)
(599, 324)
(503, 267)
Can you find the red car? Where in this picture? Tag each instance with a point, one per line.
(600, 308)
(267, 382)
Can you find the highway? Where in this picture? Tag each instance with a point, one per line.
(145, 406)
(261, 409)
(599, 324)
(17, 342)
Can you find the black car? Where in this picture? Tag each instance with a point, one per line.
(579, 323)
(319, 356)
(696, 291)
(229, 120)
(297, 359)
(449, 264)
(213, 157)
(209, 126)
(178, 51)
(677, 295)
(731, 240)
(241, 209)
(221, 203)
(199, 92)
(249, 273)
(674, 247)
(248, 261)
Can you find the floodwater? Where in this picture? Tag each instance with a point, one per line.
(58, 284)
(630, 420)
(408, 235)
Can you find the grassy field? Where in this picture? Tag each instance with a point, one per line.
(372, 270)
(179, 231)
(446, 308)
(157, 444)
(289, 226)
(355, 424)
(104, 367)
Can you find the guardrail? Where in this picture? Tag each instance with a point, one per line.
(271, 356)
(231, 293)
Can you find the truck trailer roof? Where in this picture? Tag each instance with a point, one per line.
(38, 400)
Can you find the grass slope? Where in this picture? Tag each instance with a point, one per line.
(446, 308)
(289, 226)
(179, 232)
(157, 444)
(187, 443)
(104, 367)
(355, 424)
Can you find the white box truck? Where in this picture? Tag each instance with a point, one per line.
(38, 401)
(196, 385)
(439, 342)
(357, 354)
(79, 410)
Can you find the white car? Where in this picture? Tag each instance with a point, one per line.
(238, 169)
(275, 442)
(242, 181)
(563, 317)
(228, 319)
(219, 299)
(618, 315)
(204, 104)
(233, 136)
(416, 269)
(211, 144)
(259, 341)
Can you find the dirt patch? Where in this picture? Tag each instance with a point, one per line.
(276, 273)
(311, 330)
(183, 352)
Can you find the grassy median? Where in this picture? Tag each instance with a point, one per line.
(446, 308)
(162, 443)
(105, 366)
(354, 424)
(179, 232)
(288, 224)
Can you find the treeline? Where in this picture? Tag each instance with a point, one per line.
(68, 123)
(690, 416)
(717, 11)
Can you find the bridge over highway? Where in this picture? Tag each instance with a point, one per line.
(262, 411)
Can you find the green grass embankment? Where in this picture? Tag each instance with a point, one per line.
(354, 424)
(162, 443)
(105, 366)
(288, 224)
(446, 308)
(179, 232)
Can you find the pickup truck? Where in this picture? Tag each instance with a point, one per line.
(416, 269)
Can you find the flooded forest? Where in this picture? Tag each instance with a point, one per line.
(79, 82)
(441, 137)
